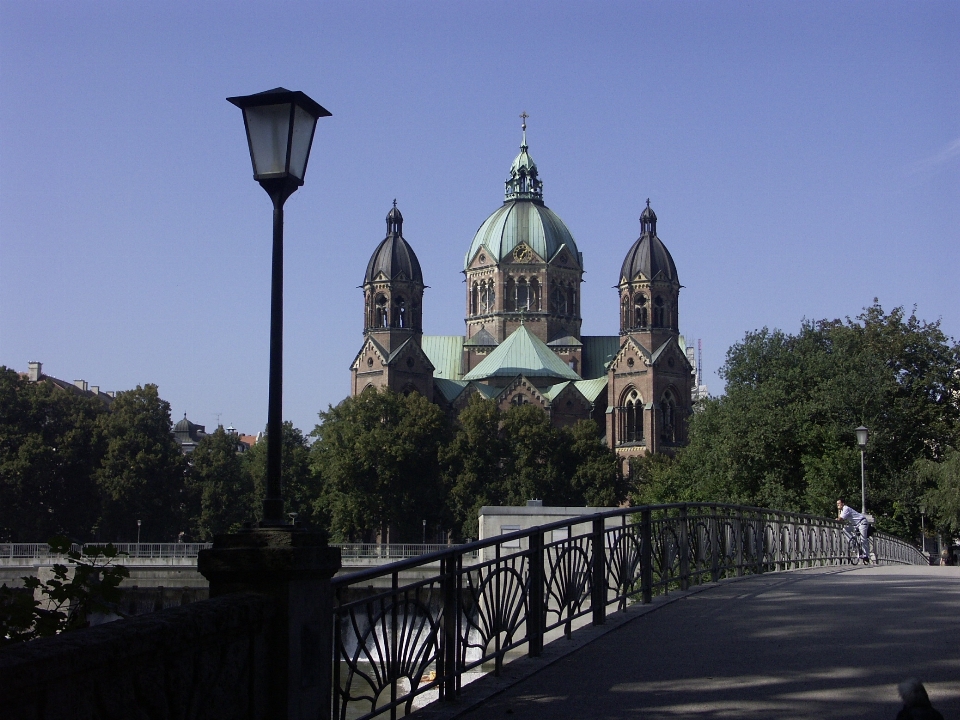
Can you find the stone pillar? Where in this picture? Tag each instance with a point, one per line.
(293, 567)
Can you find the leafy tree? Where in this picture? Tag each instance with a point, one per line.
(473, 463)
(783, 434)
(49, 450)
(141, 475)
(943, 499)
(507, 458)
(223, 483)
(378, 456)
(299, 484)
(70, 598)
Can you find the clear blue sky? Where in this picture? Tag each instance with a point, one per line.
(803, 158)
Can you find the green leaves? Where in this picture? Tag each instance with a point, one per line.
(67, 599)
(783, 434)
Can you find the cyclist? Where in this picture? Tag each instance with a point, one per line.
(857, 523)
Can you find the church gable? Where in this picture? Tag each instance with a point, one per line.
(521, 392)
(632, 358)
(370, 357)
(482, 259)
(410, 357)
(671, 359)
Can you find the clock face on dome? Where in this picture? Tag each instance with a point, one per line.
(521, 253)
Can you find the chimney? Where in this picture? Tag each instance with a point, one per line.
(112, 393)
(35, 371)
(82, 384)
(95, 389)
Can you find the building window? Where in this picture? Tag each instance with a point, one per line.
(518, 400)
(474, 299)
(534, 303)
(382, 319)
(487, 297)
(523, 295)
(510, 295)
(640, 310)
(658, 311)
(505, 530)
(558, 301)
(631, 417)
(399, 312)
(668, 418)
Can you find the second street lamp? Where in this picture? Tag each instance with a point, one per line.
(280, 124)
(862, 437)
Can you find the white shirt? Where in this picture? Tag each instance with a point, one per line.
(851, 515)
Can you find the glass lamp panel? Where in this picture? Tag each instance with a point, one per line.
(303, 125)
(269, 127)
(862, 435)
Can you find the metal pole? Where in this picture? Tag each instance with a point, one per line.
(863, 485)
(273, 502)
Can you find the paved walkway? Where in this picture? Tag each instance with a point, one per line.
(824, 643)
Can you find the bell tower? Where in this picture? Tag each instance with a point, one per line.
(393, 318)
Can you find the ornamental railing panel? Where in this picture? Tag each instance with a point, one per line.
(417, 630)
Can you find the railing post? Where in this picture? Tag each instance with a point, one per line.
(684, 550)
(536, 611)
(646, 557)
(599, 588)
(741, 538)
(715, 546)
(448, 652)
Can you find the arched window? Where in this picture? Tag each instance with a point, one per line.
(383, 317)
(399, 312)
(523, 295)
(572, 294)
(534, 303)
(631, 417)
(487, 295)
(519, 400)
(573, 364)
(640, 310)
(474, 299)
(558, 301)
(511, 295)
(668, 418)
(624, 312)
(658, 311)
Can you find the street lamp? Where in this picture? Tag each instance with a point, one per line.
(280, 124)
(862, 436)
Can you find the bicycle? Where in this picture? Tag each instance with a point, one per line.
(855, 546)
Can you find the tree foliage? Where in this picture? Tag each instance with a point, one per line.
(50, 448)
(299, 484)
(141, 473)
(377, 454)
(783, 434)
(221, 480)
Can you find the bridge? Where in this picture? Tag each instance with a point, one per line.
(454, 633)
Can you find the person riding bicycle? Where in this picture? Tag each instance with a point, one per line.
(857, 523)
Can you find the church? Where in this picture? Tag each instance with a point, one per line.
(523, 340)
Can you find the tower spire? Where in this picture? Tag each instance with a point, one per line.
(523, 126)
(524, 182)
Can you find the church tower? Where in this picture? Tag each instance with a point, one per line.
(650, 380)
(393, 318)
(523, 268)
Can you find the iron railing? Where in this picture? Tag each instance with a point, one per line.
(424, 634)
(40, 552)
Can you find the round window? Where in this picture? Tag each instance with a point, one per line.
(409, 362)
(369, 362)
(629, 362)
(670, 362)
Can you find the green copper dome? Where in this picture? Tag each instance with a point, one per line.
(523, 218)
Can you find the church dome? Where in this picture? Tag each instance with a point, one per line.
(523, 218)
(648, 257)
(394, 259)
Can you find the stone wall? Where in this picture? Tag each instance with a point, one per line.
(203, 660)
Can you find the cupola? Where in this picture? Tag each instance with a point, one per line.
(394, 259)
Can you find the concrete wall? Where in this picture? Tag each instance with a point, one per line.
(500, 519)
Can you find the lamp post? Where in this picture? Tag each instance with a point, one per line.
(138, 538)
(862, 436)
(923, 533)
(280, 124)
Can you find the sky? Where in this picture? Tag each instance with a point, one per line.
(802, 159)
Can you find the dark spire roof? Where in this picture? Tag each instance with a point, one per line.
(648, 256)
(524, 181)
(394, 257)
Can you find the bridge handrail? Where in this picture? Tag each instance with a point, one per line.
(42, 551)
(526, 586)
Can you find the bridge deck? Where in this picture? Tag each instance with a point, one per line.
(825, 643)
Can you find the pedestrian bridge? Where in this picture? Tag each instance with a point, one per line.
(444, 633)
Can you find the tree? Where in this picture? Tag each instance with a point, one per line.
(141, 475)
(49, 450)
(377, 453)
(943, 498)
(507, 458)
(473, 463)
(782, 435)
(223, 483)
(300, 485)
